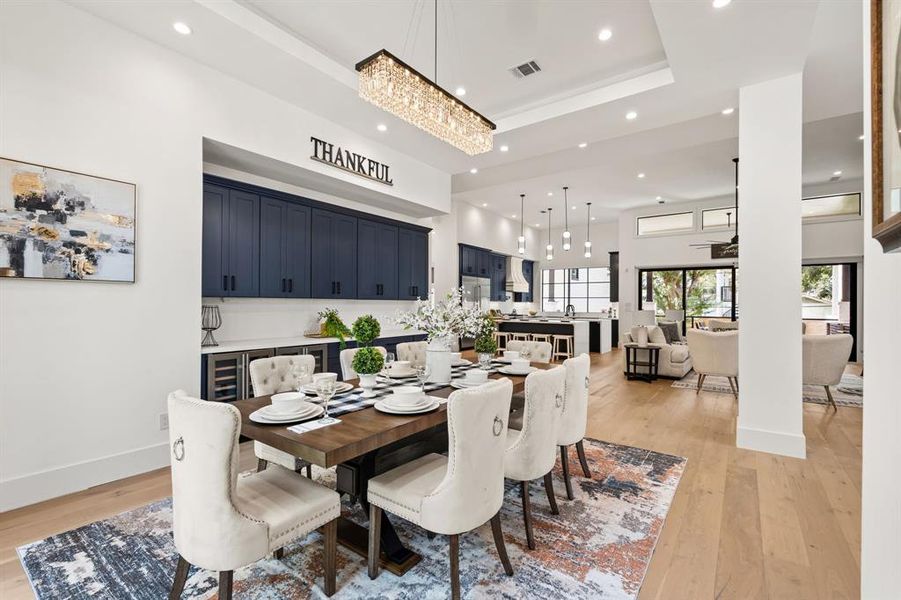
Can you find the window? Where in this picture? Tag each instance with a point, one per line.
(586, 288)
(672, 223)
(702, 293)
(718, 218)
(831, 206)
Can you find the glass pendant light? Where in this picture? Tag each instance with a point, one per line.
(522, 219)
(588, 233)
(550, 246)
(567, 236)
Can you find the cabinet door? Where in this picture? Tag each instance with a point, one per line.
(467, 260)
(322, 278)
(387, 262)
(344, 253)
(420, 266)
(296, 234)
(499, 277)
(483, 263)
(214, 280)
(273, 281)
(243, 243)
(405, 251)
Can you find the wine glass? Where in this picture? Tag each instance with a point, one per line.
(301, 374)
(386, 367)
(325, 389)
(422, 374)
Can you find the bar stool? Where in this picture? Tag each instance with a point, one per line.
(542, 337)
(563, 347)
(501, 338)
(519, 337)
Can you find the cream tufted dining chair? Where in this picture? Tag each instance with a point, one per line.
(271, 376)
(539, 352)
(824, 360)
(415, 352)
(456, 493)
(574, 419)
(347, 360)
(532, 452)
(222, 521)
(715, 353)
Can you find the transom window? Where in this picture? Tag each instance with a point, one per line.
(586, 288)
(672, 223)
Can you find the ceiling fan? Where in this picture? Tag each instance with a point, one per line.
(725, 249)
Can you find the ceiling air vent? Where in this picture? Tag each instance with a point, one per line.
(526, 69)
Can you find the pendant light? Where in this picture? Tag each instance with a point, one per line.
(522, 219)
(550, 246)
(567, 236)
(588, 233)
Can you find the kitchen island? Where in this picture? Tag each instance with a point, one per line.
(576, 328)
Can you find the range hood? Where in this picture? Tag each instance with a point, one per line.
(515, 280)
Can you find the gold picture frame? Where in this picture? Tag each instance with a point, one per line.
(885, 71)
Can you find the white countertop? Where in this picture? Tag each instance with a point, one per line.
(301, 340)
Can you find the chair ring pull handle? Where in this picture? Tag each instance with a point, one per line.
(586, 383)
(178, 449)
(558, 400)
(498, 426)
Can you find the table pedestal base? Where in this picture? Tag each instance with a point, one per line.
(355, 538)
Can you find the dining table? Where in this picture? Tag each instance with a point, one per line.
(353, 447)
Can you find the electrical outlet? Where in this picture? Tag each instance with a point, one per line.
(164, 422)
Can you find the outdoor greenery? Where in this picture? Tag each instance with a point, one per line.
(368, 361)
(366, 329)
(333, 326)
(485, 342)
(816, 281)
(700, 291)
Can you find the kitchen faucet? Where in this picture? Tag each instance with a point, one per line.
(570, 311)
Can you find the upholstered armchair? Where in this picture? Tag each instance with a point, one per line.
(532, 451)
(347, 359)
(221, 521)
(539, 352)
(825, 358)
(414, 352)
(271, 376)
(574, 419)
(715, 353)
(456, 493)
(675, 360)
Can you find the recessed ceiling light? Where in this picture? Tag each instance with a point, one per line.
(728, 111)
(514, 216)
(484, 204)
(836, 173)
(473, 170)
(658, 198)
(181, 28)
(461, 91)
(550, 193)
(631, 115)
(605, 34)
(641, 175)
(593, 218)
(860, 137)
(504, 148)
(583, 145)
(574, 208)
(381, 127)
(721, 3)
(537, 224)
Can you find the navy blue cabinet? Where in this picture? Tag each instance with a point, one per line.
(377, 260)
(284, 249)
(413, 264)
(498, 266)
(468, 261)
(334, 255)
(230, 246)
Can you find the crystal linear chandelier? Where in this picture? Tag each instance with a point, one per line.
(398, 88)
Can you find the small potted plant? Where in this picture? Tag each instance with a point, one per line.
(332, 326)
(486, 345)
(368, 361)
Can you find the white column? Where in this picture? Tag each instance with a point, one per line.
(769, 274)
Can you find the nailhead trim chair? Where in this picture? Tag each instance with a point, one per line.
(539, 352)
(414, 352)
(221, 521)
(574, 420)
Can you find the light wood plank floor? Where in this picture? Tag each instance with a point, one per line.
(743, 524)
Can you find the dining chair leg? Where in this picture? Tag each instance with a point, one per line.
(564, 459)
(309, 471)
(549, 488)
(701, 379)
(330, 555)
(430, 535)
(279, 554)
(262, 464)
(181, 575)
(527, 514)
(375, 536)
(732, 386)
(583, 460)
(829, 396)
(225, 585)
(455, 566)
(499, 543)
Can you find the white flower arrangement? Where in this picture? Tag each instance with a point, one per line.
(443, 320)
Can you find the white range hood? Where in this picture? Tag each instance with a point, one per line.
(515, 280)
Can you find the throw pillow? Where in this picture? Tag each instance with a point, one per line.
(670, 332)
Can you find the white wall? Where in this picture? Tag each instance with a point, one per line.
(880, 567)
(99, 359)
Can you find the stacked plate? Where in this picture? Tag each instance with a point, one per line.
(511, 371)
(401, 373)
(341, 387)
(461, 363)
(270, 416)
(392, 405)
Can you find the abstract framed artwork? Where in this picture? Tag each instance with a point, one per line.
(885, 55)
(58, 224)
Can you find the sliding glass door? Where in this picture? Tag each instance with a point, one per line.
(702, 294)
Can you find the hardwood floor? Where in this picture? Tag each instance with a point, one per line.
(743, 524)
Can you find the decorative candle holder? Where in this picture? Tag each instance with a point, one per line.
(210, 321)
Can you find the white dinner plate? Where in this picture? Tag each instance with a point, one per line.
(341, 387)
(461, 384)
(509, 371)
(420, 404)
(287, 396)
(395, 374)
(256, 417)
(382, 407)
(462, 363)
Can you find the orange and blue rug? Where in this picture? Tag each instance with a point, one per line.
(599, 546)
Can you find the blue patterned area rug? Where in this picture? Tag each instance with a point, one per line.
(599, 546)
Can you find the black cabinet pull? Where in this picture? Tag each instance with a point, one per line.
(290, 285)
(283, 285)
(233, 283)
(225, 282)
(339, 288)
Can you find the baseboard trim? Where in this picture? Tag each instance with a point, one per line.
(44, 485)
(773, 442)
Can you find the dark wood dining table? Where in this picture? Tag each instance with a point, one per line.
(353, 445)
